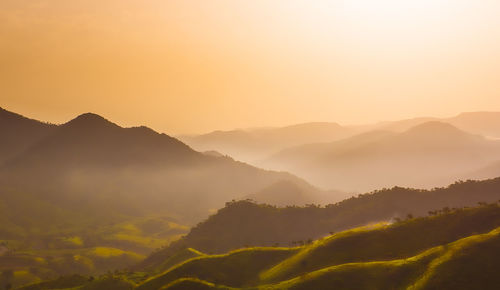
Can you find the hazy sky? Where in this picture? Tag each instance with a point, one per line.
(196, 66)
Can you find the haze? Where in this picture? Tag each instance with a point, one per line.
(196, 66)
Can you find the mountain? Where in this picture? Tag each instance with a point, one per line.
(255, 145)
(90, 161)
(245, 223)
(482, 123)
(425, 156)
(252, 145)
(18, 133)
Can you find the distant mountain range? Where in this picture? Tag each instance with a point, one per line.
(278, 148)
(427, 155)
(253, 145)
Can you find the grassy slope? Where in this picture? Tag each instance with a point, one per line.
(437, 268)
(224, 269)
(389, 255)
(386, 242)
(469, 263)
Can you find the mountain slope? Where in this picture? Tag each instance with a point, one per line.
(18, 133)
(425, 156)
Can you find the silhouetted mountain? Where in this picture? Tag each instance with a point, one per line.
(18, 133)
(244, 223)
(90, 162)
(430, 154)
(252, 145)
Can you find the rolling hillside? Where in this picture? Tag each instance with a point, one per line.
(417, 254)
(245, 223)
(451, 249)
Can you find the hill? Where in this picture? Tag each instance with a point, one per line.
(245, 223)
(428, 155)
(253, 145)
(417, 253)
(450, 249)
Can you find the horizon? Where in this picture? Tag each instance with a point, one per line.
(121, 124)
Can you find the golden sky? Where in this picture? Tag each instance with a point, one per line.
(195, 66)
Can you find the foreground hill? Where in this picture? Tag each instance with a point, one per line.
(245, 223)
(425, 156)
(417, 253)
(253, 145)
(452, 249)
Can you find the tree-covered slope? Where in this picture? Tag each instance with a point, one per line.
(245, 223)
(417, 253)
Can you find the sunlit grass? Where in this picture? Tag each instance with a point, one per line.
(289, 264)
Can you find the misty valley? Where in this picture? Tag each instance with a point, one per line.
(410, 204)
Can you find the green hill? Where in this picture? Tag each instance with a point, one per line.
(245, 223)
(390, 254)
(451, 249)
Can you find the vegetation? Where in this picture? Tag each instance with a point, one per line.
(246, 223)
(450, 249)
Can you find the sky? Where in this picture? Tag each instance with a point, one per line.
(195, 66)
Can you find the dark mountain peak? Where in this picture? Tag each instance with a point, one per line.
(89, 120)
